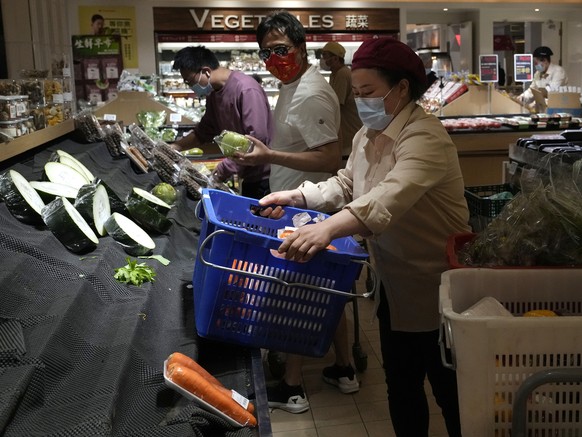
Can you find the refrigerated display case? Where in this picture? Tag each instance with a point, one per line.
(239, 52)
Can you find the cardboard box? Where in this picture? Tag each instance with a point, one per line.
(564, 102)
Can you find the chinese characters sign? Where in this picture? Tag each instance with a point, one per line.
(90, 45)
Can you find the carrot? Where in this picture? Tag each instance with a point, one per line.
(196, 384)
(186, 361)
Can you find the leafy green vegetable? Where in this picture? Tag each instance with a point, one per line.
(134, 273)
(160, 258)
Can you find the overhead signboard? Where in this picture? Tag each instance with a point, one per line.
(179, 19)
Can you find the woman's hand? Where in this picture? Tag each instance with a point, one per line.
(291, 198)
(259, 154)
(306, 241)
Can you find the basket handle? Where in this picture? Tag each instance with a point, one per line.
(280, 281)
(525, 390)
(199, 211)
(446, 337)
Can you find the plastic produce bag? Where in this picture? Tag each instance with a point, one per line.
(540, 226)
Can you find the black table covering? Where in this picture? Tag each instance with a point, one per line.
(82, 354)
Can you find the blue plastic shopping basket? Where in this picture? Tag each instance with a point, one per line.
(244, 294)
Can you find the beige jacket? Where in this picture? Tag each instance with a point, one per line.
(406, 186)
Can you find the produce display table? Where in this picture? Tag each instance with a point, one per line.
(82, 354)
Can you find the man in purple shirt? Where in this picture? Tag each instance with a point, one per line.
(235, 102)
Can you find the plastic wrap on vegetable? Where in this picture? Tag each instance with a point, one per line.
(136, 82)
(139, 139)
(165, 165)
(113, 136)
(541, 225)
(232, 142)
(88, 125)
(151, 119)
(168, 135)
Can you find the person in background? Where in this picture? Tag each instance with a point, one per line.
(305, 146)
(402, 189)
(234, 101)
(431, 76)
(547, 77)
(97, 24)
(333, 59)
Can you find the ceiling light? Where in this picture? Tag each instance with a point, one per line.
(537, 9)
(445, 9)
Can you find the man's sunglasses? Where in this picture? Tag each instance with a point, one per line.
(281, 50)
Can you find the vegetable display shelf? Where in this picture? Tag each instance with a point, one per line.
(35, 139)
(129, 103)
(98, 343)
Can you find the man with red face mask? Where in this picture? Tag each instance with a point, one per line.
(307, 114)
(305, 148)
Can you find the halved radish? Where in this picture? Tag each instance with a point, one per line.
(92, 202)
(60, 173)
(153, 201)
(49, 190)
(131, 236)
(70, 160)
(69, 226)
(21, 198)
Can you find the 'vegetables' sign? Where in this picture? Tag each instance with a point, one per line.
(168, 19)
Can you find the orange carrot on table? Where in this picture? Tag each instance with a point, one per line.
(186, 361)
(199, 386)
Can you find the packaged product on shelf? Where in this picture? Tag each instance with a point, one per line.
(111, 93)
(113, 137)
(34, 89)
(9, 87)
(53, 91)
(13, 129)
(110, 68)
(88, 125)
(54, 114)
(91, 70)
(38, 117)
(93, 93)
(13, 107)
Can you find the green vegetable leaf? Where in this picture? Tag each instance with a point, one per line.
(134, 273)
(160, 258)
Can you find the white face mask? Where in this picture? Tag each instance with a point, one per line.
(323, 64)
(372, 112)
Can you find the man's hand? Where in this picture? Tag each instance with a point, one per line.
(259, 154)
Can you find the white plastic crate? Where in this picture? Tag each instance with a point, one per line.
(494, 355)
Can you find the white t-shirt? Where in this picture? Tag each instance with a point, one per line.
(307, 116)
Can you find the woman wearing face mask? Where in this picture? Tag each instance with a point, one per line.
(402, 190)
(234, 101)
(547, 77)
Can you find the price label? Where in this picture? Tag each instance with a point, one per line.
(523, 67)
(175, 118)
(109, 117)
(488, 68)
(240, 399)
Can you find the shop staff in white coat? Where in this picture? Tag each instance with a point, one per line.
(547, 77)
